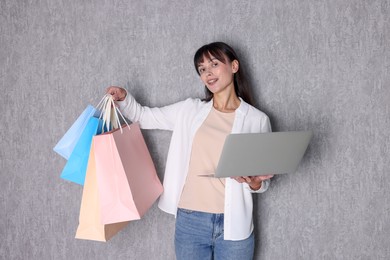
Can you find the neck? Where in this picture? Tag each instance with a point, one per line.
(226, 103)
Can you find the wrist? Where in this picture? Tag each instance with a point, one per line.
(256, 186)
(123, 94)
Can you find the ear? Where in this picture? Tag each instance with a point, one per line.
(235, 66)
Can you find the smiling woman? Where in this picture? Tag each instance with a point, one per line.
(214, 216)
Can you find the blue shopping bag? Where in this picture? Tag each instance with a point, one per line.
(67, 143)
(76, 166)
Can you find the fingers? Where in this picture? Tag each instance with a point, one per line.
(117, 93)
(242, 179)
(263, 177)
(253, 179)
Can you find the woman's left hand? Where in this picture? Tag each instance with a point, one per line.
(253, 181)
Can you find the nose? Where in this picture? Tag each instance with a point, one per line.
(208, 71)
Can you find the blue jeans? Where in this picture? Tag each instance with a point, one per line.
(199, 235)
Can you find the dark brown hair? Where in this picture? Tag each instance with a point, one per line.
(222, 51)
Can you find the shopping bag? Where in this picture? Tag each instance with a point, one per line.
(90, 226)
(127, 179)
(65, 146)
(76, 166)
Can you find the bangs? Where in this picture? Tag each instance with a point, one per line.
(207, 52)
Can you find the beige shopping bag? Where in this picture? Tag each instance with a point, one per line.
(90, 224)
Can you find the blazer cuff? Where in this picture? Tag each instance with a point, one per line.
(264, 186)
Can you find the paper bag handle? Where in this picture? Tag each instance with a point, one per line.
(106, 114)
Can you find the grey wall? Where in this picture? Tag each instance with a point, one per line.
(321, 65)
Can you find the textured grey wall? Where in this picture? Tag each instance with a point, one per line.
(321, 65)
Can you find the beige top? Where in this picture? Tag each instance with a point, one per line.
(204, 193)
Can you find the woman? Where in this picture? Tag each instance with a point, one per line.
(213, 216)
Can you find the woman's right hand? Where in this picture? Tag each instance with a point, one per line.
(118, 93)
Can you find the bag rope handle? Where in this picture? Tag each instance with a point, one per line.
(103, 112)
(107, 104)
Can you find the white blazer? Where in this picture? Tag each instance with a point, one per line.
(184, 118)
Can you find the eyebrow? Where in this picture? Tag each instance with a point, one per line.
(210, 60)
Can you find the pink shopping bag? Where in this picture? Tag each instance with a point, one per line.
(127, 180)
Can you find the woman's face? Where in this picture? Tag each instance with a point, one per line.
(216, 75)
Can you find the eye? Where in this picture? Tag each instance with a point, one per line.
(215, 64)
(201, 70)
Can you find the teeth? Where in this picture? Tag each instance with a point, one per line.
(212, 81)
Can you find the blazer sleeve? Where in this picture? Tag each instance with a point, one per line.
(163, 118)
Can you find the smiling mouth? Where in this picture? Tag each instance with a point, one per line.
(211, 81)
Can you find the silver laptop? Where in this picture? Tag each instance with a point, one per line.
(262, 153)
